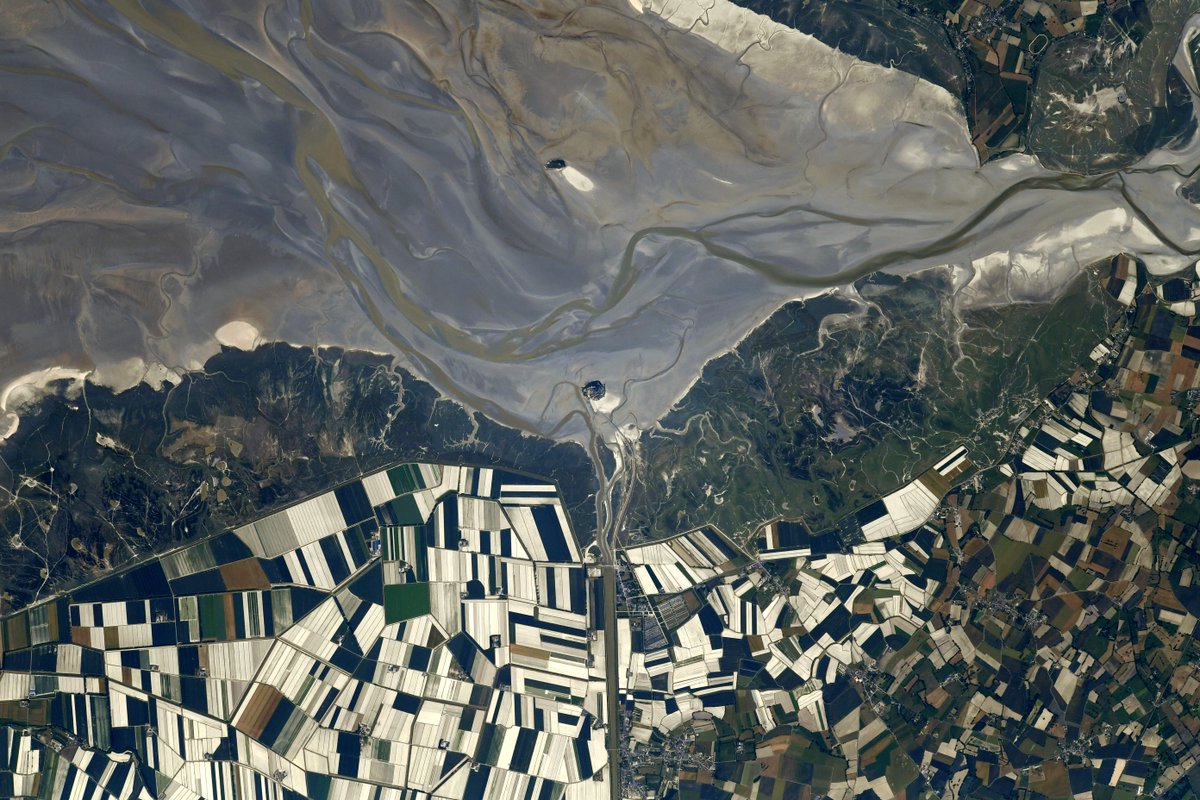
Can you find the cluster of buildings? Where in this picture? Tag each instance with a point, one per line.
(424, 631)
(1003, 41)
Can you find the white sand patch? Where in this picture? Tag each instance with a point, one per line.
(238, 334)
(158, 374)
(1097, 104)
(637, 6)
(124, 375)
(28, 388)
(109, 442)
(868, 96)
(606, 404)
(1017, 163)
(577, 179)
(119, 377)
(1022, 275)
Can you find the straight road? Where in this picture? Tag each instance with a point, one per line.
(612, 691)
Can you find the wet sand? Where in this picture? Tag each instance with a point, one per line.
(370, 175)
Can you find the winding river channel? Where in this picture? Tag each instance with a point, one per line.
(372, 175)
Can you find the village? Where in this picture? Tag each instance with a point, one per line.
(1024, 629)
(1003, 41)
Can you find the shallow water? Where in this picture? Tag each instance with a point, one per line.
(370, 174)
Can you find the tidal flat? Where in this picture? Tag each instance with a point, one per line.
(371, 176)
